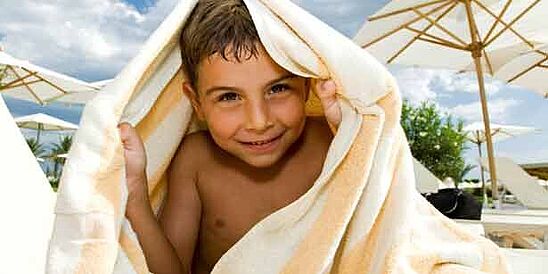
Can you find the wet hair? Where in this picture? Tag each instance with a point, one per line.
(221, 27)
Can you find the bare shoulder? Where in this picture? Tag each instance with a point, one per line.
(193, 150)
(194, 153)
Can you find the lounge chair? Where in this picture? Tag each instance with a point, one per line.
(425, 180)
(517, 181)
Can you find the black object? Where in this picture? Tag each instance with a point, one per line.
(455, 204)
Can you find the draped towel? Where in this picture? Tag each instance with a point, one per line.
(362, 215)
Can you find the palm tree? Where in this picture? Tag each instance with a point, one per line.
(37, 148)
(57, 149)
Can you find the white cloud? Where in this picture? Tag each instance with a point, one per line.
(499, 110)
(466, 82)
(92, 39)
(418, 84)
(415, 84)
(344, 15)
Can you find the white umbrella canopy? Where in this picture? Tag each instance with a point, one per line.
(26, 81)
(528, 70)
(43, 122)
(405, 32)
(475, 132)
(474, 35)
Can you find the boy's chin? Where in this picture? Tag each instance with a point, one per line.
(263, 161)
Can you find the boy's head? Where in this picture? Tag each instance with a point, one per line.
(254, 109)
(220, 27)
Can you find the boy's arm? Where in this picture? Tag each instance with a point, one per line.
(159, 253)
(181, 215)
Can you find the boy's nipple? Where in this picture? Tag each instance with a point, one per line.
(219, 223)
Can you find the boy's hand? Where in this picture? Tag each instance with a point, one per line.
(326, 91)
(135, 159)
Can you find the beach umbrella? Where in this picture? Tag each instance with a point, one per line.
(43, 122)
(529, 70)
(472, 35)
(475, 133)
(24, 80)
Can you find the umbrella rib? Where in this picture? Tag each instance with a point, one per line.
(503, 11)
(538, 64)
(417, 36)
(404, 25)
(442, 44)
(20, 84)
(498, 19)
(435, 23)
(396, 12)
(434, 38)
(509, 25)
(9, 85)
(56, 97)
(28, 87)
(487, 60)
(48, 82)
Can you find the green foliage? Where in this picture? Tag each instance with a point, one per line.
(53, 172)
(38, 149)
(62, 147)
(437, 141)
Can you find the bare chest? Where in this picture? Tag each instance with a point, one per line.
(232, 204)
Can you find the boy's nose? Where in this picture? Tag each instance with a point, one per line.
(258, 116)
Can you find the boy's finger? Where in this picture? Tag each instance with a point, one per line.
(124, 130)
(128, 135)
(326, 88)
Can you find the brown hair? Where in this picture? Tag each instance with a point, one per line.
(217, 26)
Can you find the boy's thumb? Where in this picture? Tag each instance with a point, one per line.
(326, 89)
(127, 134)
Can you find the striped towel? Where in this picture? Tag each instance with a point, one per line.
(362, 215)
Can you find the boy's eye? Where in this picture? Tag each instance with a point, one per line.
(229, 96)
(279, 88)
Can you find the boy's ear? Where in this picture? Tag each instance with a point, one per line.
(192, 95)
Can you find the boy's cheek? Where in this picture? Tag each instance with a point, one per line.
(223, 122)
(291, 113)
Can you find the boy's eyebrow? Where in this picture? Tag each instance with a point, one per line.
(215, 88)
(284, 77)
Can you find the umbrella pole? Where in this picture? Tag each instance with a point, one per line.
(483, 188)
(38, 133)
(487, 124)
(476, 48)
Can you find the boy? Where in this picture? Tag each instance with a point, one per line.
(260, 152)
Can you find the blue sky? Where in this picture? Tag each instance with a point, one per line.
(141, 5)
(93, 39)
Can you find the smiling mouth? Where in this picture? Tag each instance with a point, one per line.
(263, 142)
(263, 146)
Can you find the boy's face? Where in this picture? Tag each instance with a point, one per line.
(254, 109)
